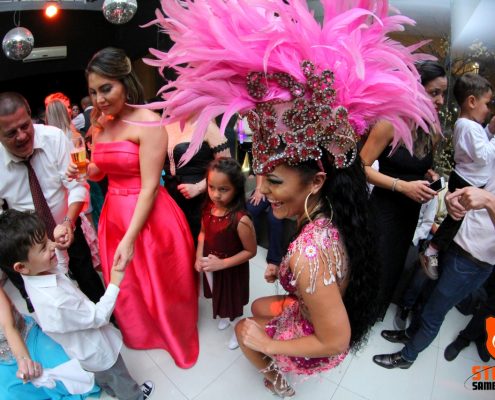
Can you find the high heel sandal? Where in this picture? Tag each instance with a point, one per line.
(285, 390)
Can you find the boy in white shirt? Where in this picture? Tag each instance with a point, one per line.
(63, 312)
(474, 151)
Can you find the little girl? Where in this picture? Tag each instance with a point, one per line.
(226, 242)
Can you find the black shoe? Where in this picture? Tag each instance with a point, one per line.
(453, 349)
(482, 351)
(391, 361)
(395, 336)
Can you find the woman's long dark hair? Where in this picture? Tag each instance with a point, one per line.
(233, 170)
(347, 191)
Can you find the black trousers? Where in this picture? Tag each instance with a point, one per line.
(80, 267)
(475, 329)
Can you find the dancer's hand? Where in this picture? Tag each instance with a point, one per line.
(28, 369)
(271, 274)
(116, 276)
(254, 336)
(123, 255)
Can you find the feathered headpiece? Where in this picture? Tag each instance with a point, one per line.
(305, 86)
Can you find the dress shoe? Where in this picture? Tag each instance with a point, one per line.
(391, 361)
(395, 336)
(453, 349)
(482, 351)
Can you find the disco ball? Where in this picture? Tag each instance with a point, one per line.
(119, 11)
(18, 43)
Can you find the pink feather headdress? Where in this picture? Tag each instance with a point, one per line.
(221, 44)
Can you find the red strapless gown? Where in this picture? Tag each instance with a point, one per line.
(158, 302)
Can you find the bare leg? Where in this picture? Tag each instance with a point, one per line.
(263, 309)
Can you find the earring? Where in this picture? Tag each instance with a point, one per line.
(331, 208)
(306, 206)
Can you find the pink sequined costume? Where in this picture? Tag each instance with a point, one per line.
(318, 240)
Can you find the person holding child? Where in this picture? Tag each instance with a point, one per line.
(307, 100)
(474, 151)
(141, 229)
(226, 243)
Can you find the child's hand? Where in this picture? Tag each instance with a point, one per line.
(116, 276)
(63, 236)
(491, 125)
(211, 263)
(197, 265)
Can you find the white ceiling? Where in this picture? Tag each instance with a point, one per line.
(12, 5)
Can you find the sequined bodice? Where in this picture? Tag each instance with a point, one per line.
(318, 240)
(22, 327)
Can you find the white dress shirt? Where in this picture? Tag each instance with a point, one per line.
(78, 121)
(474, 151)
(81, 327)
(49, 161)
(477, 233)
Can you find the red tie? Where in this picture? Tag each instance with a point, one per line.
(39, 200)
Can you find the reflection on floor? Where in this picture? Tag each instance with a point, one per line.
(223, 374)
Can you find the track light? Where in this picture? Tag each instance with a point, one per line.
(51, 9)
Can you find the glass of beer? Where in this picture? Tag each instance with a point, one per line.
(78, 156)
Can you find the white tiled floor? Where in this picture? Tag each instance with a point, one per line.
(221, 373)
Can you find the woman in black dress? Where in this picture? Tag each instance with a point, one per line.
(401, 184)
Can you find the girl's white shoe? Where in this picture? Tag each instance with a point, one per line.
(223, 324)
(233, 344)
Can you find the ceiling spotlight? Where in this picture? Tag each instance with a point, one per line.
(51, 9)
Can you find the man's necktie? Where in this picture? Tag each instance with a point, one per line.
(39, 200)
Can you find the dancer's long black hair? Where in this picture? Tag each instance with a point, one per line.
(347, 191)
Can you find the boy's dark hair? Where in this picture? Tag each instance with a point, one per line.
(19, 231)
(470, 85)
(232, 169)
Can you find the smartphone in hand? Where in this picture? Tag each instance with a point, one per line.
(437, 185)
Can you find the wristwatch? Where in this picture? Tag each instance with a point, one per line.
(70, 221)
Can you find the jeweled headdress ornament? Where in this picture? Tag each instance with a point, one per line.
(306, 87)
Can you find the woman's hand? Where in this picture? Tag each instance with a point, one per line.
(271, 273)
(28, 369)
(256, 197)
(123, 255)
(211, 263)
(189, 190)
(254, 336)
(416, 190)
(431, 176)
(63, 236)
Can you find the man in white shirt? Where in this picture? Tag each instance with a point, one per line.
(466, 265)
(48, 150)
